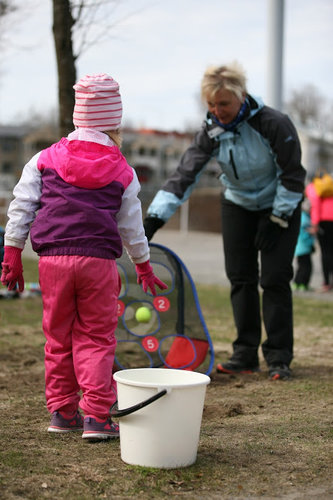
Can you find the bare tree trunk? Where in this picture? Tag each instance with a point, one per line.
(62, 33)
(6, 9)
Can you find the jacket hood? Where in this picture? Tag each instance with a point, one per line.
(255, 104)
(84, 164)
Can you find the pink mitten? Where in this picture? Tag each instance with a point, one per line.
(12, 269)
(147, 278)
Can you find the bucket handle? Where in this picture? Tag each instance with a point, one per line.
(131, 409)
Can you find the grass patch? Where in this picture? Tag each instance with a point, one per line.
(258, 438)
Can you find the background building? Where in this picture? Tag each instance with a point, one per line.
(154, 154)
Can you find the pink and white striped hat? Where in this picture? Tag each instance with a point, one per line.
(97, 103)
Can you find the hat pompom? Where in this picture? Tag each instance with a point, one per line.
(97, 103)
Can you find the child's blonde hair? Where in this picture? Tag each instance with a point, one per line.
(115, 136)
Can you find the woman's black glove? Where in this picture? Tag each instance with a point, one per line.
(268, 233)
(151, 225)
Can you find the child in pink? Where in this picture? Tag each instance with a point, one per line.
(322, 227)
(78, 199)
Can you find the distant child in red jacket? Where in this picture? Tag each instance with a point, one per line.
(78, 199)
(322, 223)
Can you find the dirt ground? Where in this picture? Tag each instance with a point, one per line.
(259, 439)
(278, 436)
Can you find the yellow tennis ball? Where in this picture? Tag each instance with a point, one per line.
(143, 314)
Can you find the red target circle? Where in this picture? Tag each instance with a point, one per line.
(150, 344)
(120, 308)
(162, 304)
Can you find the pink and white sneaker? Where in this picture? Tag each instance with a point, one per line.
(61, 424)
(97, 429)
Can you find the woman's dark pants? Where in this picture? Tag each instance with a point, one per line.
(239, 227)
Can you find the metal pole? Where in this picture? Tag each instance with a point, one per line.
(184, 217)
(275, 53)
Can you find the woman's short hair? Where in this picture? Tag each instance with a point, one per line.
(229, 76)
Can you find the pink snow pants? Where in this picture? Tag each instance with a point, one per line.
(79, 321)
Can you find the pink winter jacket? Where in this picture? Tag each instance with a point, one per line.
(321, 208)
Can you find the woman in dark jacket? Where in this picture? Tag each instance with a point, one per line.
(259, 153)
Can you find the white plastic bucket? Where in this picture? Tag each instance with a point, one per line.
(166, 432)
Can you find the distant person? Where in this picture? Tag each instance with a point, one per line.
(2, 243)
(80, 198)
(304, 250)
(259, 153)
(322, 223)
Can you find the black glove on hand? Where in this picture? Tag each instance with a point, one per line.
(151, 225)
(268, 233)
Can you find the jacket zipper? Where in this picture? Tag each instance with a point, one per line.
(233, 163)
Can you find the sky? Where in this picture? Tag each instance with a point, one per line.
(158, 51)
